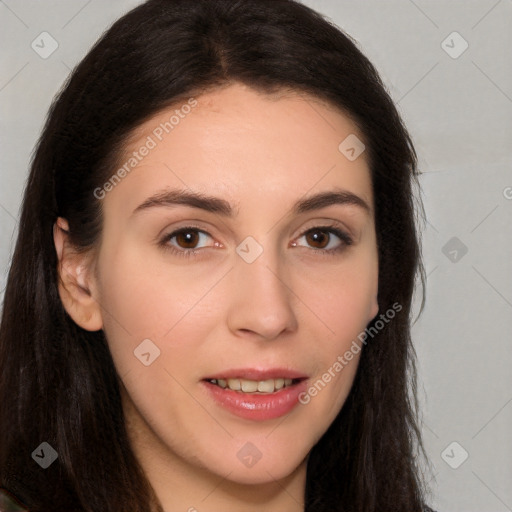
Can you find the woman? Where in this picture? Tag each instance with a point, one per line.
(209, 302)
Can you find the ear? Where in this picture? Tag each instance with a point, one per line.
(76, 281)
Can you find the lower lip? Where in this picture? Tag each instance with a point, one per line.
(254, 406)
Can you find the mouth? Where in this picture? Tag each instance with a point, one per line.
(256, 395)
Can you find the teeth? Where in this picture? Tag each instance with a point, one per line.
(279, 383)
(249, 386)
(253, 386)
(234, 384)
(265, 386)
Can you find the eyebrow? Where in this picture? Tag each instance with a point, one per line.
(167, 198)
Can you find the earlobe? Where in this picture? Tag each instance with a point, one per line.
(76, 282)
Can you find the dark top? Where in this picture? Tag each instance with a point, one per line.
(8, 503)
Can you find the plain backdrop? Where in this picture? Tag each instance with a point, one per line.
(448, 67)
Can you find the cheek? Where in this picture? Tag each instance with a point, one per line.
(343, 301)
(343, 297)
(149, 298)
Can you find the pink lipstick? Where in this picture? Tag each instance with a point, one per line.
(256, 394)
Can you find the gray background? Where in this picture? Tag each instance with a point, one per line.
(459, 110)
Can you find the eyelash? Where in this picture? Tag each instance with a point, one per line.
(345, 238)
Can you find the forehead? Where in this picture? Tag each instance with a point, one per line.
(244, 145)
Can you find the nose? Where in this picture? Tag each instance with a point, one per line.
(261, 300)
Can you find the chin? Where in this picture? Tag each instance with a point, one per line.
(262, 474)
(249, 465)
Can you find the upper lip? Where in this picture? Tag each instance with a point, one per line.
(257, 374)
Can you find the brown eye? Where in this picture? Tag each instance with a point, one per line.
(187, 239)
(327, 239)
(318, 238)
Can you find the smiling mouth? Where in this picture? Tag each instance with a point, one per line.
(262, 387)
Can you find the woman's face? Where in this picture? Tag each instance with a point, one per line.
(258, 286)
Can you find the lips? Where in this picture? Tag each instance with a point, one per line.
(256, 394)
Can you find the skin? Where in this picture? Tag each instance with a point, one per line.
(292, 307)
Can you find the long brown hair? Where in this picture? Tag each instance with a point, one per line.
(58, 382)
